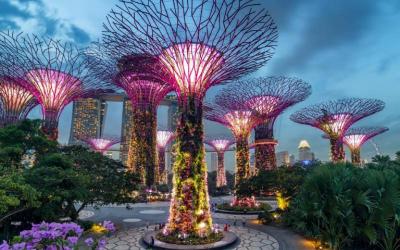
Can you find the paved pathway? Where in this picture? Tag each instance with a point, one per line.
(132, 224)
(250, 239)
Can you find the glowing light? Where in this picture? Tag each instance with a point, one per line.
(16, 101)
(335, 125)
(240, 122)
(193, 66)
(244, 202)
(282, 202)
(142, 91)
(101, 144)
(220, 144)
(264, 105)
(163, 138)
(355, 140)
(54, 90)
(304, 144)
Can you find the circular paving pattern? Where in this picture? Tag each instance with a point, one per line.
(131, 220)
(250, 239)
(152, 212)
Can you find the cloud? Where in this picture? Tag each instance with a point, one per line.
(31, 15)
(13, 9)
(327, 26)
(78, 34)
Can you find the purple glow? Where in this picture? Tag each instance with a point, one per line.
(356, 137)
(15, 101)
(163, 138)
(142, 91)
(264, 105)
(220, 145)
(53, 90)
(101, 144)
(193, 66)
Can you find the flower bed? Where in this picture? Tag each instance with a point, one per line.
(229, 207)
(190, 239)
(66, 236)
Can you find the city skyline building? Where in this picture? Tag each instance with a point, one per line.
(87, 119)
(305, 153)
(283, 159)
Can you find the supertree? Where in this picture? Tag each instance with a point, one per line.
(146, 84)
(55, 72)
(240, 121)
(269, 97)
(335, 117)
(163, 138)
(15, 101)
(357, 136)
(101, 144)
(201, 44)
(220, 144)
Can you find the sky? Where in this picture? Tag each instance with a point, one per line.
(342, 48)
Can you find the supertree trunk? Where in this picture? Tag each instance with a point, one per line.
(162, 171)
(356, 156)
(50, 124)
(337, 150)
(265, 157)
(242, 159)
(143, 148)
(189, 210)
(221, 178)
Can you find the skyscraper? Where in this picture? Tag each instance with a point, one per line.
(305, 154)
(87, 119)
(282, 159)
(214, 162)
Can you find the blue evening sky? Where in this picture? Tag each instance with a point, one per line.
(342, 48)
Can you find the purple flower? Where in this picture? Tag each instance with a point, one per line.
(4, 246)
(102, 243)
(89, 242)
(19, 246)
(73, 240)
(51, 247)
(109, 226)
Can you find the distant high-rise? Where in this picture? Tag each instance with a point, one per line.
(305, 153)
(214, 161)
(87, 119)
(282, 159)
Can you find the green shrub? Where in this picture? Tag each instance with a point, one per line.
(348, 207)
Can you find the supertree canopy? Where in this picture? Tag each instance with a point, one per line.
(15, 101)
(146, 84)
(357, 136)
(269, 97)
(240, 121)
(200, 44)
(220, 144)
(163, 138)
(101, 144)
(55, 72)
(335, 117)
